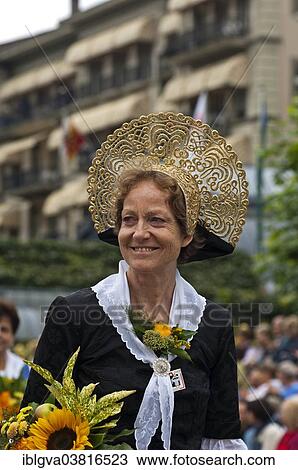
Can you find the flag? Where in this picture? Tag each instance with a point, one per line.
(200, 111)
(72, 139)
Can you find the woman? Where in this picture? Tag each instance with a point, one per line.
(166, 188)
(11, 365)
(289, 417)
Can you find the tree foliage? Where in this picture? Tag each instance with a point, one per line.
(74, 265)
(280, 261)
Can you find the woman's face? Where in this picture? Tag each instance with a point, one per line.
(149, 237)
(6, 334)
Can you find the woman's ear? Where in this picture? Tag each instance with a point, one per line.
(186, 240)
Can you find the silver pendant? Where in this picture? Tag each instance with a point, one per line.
(161, 366)
(177, 380)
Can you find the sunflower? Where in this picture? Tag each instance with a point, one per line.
(21, 444)
(61, 429)
(163, 329)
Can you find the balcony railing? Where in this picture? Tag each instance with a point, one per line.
(96, 86)
(99, 84)
(29, 179)
(202, 36)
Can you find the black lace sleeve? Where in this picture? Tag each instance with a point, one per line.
(59, 339)
(222, 420)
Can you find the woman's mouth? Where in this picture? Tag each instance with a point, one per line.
(141, 249)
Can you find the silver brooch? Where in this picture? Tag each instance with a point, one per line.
(161, 366)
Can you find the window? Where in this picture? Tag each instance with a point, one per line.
(239, 104)
(144, 57)
(119, 68)
(12, 176)
(95, 77)
(52, 231)
(217, 115)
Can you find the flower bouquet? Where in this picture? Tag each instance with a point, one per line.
(82, 422)
(161, 337)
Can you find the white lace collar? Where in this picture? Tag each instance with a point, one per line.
(187, 309)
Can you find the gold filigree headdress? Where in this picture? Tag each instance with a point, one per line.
(206, 168)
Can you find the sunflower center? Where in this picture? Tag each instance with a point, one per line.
(62, 439)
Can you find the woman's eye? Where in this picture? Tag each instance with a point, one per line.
(128, 220)
(157, 220)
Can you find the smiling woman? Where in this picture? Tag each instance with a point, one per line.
(168, 190)
(150, 240)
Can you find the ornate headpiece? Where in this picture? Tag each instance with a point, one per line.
(205, 167)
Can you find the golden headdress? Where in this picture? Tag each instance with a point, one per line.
(206, 168)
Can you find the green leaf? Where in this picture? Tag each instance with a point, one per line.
(123, 433)
(96, 440)
(50, 399)
(181, 353)
(122, 446)
(186, 334)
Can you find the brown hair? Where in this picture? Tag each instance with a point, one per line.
(130, 178)
(7, 309)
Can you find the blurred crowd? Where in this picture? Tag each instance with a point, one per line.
(267, 374)
(268, 383)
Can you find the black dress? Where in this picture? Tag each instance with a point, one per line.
(208, 407)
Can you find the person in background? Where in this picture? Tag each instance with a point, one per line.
(263, 347)
(289, 417)
(288, 375)
(11, 365)
(288, 348)
(262, 381)
(243, 416)
(243, 339)
(278, 330)
(263, 433)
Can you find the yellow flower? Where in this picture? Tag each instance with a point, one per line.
(177, 330)
(23, 426)
(4, 427)
(24, 412)
(163, 329)
(21, 444)
(61, 429)
(12, 431)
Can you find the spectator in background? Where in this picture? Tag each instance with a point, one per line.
(278, 330)
(262, 380)
(289, 417)
(11, 365)
(262, 433)
(243, 339)
(288, 348)
(288, 375)
(245, 423)
(263, 347)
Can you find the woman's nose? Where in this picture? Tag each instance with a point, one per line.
(141, 230)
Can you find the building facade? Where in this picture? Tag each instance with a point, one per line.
(121, 59)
